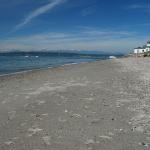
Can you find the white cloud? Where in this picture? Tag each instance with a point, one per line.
(88, 11)
(84, 39)
(39, 11)
(145, 7)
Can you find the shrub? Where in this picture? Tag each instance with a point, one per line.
(147, 54)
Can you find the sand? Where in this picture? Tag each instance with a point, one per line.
(102, 105)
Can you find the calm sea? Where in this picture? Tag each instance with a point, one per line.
(22, 61)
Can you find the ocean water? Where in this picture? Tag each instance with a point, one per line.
(13, 62)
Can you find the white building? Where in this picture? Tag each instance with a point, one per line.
(141, 50)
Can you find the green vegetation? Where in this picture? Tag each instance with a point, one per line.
(147, 54)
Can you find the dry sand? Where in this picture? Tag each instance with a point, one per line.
(102, 105)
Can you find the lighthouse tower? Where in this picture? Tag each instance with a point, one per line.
(148, 43)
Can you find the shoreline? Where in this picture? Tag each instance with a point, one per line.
(47, 68)
(39, 69)
(44, 68)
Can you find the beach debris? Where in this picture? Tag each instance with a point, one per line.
(110, 133)
(62, 97)
(59, 104)
(15, 138)
(27, 97)
(23, 124)
(86, 107)
(4, 102)
(148, 138)
(11, 94)
(33, 131)
(61, 88)
(8, 143)
(138, 129)
(41, 102)
(26, 105)
(89, 98)
(61, 120)
(119, 130)
(47, 140)
(89, 148)
(129, 122)
(11, 115)
(76, 116)
(118, 106)
(66, 111)
(37, 116)
(91, 94)
(113, 119)
(90, 141)
(46, 114)
(95, 121)
(144, 144)
(105, 137)
(112, 57)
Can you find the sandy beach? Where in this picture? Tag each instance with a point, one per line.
(103, 105)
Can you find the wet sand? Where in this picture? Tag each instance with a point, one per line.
(101, 105)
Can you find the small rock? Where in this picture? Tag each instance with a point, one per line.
(11, 115)
(37, 115)
(86, 107)
(66, 111)
(144, 144)
(90, 141)
(46, 140)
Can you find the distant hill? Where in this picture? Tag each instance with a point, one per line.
(45, 52)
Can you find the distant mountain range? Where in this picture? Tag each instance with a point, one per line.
(64, 51)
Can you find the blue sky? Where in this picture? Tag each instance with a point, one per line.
(105, 25)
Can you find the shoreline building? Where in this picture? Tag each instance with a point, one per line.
(143, 49)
